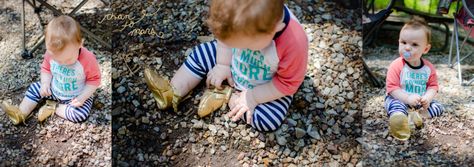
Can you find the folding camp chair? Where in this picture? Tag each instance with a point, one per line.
(463, 17)
(371, 22)
(29, 54)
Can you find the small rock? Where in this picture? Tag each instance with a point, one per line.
(213, 129)
(326, 16)
(314, 135)
(348, 119)
(299, 132)
(291, 122)
(241, 156)
(281, 140)
(121, 89)
(350, 95)
(197, 124)
(145, 120)
(140, 157)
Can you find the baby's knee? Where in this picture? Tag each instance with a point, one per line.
(265, 125)
(435, 109)
(34, 90)
(76, 115)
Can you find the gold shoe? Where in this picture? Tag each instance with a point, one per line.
(47, 110)
(162, 90)
(399, 126)
(13, 113)
(415, 117)
(212, 99)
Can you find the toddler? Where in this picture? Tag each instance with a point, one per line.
(69, 77)
(411, 80)
(261, 50)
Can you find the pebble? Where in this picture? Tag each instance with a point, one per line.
(291, 122)
(299, 132)
(140, 157)
(121, 89)
(314, 135)
(281, 140)
(197, 124)
(145, 120)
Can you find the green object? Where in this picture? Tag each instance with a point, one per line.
(426, 6)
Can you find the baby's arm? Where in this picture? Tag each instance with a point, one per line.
(45, 76)
(93, 77)
(45, 84)
(265, 93)
(87, 92)
(221, 71)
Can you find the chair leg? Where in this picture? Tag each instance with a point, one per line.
(450, 63)
(446, 37)
(25, 54)
(456, 33)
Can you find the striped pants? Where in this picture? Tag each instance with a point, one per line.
(393, 105)
(73, 114)
(266, 117)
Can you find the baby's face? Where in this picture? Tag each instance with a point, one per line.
(67, 56)
(413, 43)
(257, 42)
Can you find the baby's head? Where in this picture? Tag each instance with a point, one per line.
(246, 24)
(63, 39)
(415, 39)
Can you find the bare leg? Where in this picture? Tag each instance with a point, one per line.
(26, 106)
(424, 113)
(61, 111)
(183, 81)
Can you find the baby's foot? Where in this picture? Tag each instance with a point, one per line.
(47, 110)
(13, 113)
(399, 126)
(416, 118)
(213, 99)
(161, 89)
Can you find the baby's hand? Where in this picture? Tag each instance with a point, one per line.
(45, 90)
(425, 101)
(218, 74)
(76, 102)
(414, 100)
(240, 104)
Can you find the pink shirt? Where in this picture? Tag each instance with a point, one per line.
(69, 80)
(411, 79)
(292, 50)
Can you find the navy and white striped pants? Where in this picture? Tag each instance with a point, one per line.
(393, 105)
(73, 114)
(266, 117)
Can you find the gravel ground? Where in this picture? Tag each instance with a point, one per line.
(336, 117)
(57, 142)
(324, 124)
(444, 141)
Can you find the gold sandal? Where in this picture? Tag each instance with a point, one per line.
(13, 113)
(212, 99)
(162, 90)
(47, 110)
(399, 127)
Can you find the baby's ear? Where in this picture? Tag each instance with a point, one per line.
(427, 48)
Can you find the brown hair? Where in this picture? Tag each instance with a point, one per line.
(244, 17)
(419, 23)
(61, 31)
